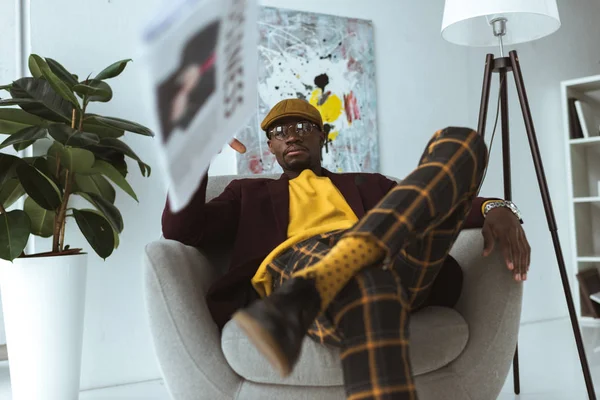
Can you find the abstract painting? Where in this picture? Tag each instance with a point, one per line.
(328, 61)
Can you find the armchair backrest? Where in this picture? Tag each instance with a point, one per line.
(216, 184)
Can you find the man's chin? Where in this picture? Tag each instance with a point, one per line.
(298, 165)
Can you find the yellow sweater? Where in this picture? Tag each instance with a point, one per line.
(316, 206)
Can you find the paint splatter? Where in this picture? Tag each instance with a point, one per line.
(329, 105)
(309, 88)
(255, 165)
(354, 66)
(323, 98)
(351, 107)
(322, 81)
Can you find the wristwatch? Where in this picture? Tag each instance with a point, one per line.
(491, 204)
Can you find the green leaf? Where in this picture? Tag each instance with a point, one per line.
(15, 228)
(95, 90)
(97, 231)
(120, 124)
(39, 186)
(113, 157)
(16, 102)
(100, 129)
(42, 221)
(23, 145)
(40, 99)
(10, 192)
(30, 135)
(95, 184)
(8, 167)
(48, 166)
(71, 137)
(116, 238)
(20, 117)
(112, 70)
(106, 169)
(30, 160)
(120, 146)
(54, 150)
(115, 233)
(34, 68)
(69, 79)
(77, 160)
(13, 120)
(108, 210)
(57, 84)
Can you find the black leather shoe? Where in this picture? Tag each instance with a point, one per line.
(276, 325)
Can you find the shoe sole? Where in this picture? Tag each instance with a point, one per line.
(264, 342)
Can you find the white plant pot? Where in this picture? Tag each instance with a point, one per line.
(43, 300)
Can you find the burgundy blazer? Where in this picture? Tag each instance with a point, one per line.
(252, 216)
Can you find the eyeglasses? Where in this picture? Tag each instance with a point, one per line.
(303, 128)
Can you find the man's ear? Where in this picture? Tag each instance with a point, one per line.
(270, 147)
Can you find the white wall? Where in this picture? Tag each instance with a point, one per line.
(8, 73)
(423, 84)
(571, 52)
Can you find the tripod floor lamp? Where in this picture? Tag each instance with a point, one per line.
(500, 23)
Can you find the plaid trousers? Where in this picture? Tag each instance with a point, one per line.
(416, 223)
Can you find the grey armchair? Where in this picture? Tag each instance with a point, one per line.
(457, 354)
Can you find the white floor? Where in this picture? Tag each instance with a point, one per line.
(549, 366)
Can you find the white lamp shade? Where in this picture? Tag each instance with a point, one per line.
(466, 22)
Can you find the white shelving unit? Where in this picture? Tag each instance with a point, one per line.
(583, 175)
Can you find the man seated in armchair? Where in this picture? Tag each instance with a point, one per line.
(345, 258)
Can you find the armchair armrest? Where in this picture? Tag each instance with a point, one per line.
(186, 340)
(491, 304)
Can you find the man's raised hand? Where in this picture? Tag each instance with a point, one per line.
(237, 146)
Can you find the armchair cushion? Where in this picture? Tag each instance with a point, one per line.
(438, 336)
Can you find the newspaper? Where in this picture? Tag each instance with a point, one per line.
(200, 61)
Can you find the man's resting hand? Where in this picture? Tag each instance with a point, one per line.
(503, 226)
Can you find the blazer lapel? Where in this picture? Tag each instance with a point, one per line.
(347, 186)
(280, 199)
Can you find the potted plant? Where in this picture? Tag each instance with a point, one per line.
(43, 294)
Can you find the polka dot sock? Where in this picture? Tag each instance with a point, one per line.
(344, 260)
